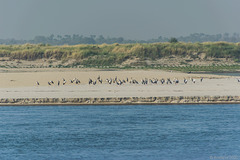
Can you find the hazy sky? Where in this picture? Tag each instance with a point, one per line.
(133, 19)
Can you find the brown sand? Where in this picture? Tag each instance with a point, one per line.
(21, 83)
(27, 77)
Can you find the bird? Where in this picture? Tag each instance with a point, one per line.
(77, 81)
(162, 80)
(193, 80)
(90, 81)
(185, 81)
(100, 80)
(143, 81)
(176, 81)
(155, 80)
(169, 81)
(119, 82)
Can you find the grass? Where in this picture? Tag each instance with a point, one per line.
(115, 54)
(197, 68)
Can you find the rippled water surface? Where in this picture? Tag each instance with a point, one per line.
(120, 132)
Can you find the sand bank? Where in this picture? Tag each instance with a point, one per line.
(209, 87)
(27, 77)
(18, 87)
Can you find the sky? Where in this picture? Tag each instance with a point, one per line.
(131, 19)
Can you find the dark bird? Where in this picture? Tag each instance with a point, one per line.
(90, 81)
(169, 81)
(176, 81)
(162, 80)
(77, 81)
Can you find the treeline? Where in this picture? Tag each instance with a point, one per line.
(114, 54)
(93, 39)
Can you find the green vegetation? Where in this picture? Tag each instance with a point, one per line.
(115, 55)
(197, 68)
(173, 40)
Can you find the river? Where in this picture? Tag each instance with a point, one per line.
(120, 132)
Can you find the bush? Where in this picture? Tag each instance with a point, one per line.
(173, 40)
(117, 53)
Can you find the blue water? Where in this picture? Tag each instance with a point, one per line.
(120, 132)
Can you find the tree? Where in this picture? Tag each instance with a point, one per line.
(173, 40)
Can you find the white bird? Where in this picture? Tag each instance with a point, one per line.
(185, 81)
(193, 80)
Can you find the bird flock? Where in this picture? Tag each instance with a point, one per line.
(119, 82)
(63, 82)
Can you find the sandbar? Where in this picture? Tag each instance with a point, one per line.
(21, 83)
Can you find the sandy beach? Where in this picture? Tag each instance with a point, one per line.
(21, 83)
(27, 77)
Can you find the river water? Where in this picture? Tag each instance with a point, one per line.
(120, 132)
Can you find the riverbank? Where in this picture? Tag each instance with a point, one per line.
(121, 101)
(208, 87)
(19, 87)
(27, 77)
